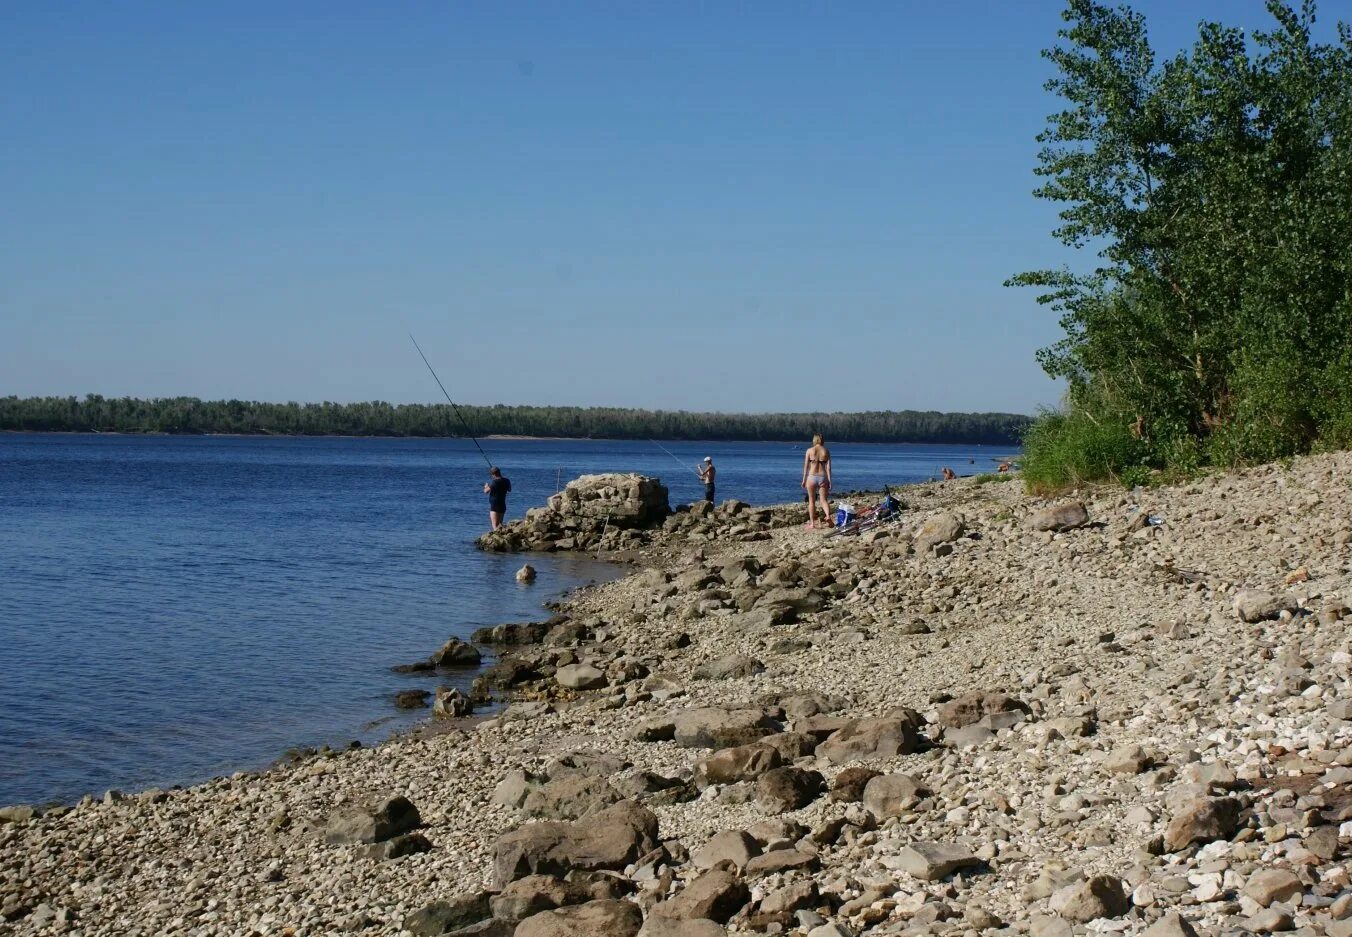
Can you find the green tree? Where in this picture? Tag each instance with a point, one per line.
(1216, 190)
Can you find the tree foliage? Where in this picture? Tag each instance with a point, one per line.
(190, 415)
(1216, 188)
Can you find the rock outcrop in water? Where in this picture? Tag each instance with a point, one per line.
(615, 506)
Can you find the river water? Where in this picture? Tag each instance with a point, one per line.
(173, 608)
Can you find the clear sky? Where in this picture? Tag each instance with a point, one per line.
(741, 206)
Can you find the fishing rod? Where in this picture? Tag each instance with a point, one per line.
(673, 455)
(450, 401)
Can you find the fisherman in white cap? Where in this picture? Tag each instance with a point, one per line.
(706, 475)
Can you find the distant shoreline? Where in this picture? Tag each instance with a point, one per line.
(498, 438)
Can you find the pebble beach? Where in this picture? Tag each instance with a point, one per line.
(1108, 712)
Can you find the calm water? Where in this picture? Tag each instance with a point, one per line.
(172, 608)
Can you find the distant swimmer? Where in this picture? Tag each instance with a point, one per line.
(817, 481)
(496, 488)
(707, 473)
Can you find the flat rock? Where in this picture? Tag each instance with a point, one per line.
(1171, 925)
(439, 917)
(933, 861)
(1253, 605)
(536, 893)
(580, 677)
(729, 667)
(606, 918)
(1059, 517)
(656, 926)
(569, 797)
(405, 844)
(780, 860)
(968, 736)
(1270, 885)
(713, 727)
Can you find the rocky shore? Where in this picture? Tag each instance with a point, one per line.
(1111, 713)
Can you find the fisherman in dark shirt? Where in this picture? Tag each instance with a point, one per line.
(496, 488)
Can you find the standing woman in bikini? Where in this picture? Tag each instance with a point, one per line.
(817, 481)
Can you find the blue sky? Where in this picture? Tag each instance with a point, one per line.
(725, 206)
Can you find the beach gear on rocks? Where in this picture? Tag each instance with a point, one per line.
(886, 511)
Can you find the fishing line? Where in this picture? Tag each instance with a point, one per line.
(450, 401)
(673, 455)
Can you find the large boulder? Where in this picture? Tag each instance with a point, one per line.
(1060, 517)
(607, 839)
(372, 823)
(897, 733)
(712, 727)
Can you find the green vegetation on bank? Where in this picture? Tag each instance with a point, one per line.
(1216, 187)
(190, 415)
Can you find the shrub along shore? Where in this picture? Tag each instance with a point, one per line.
(1002, 715)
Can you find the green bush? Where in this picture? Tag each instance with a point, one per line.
(1067, 449)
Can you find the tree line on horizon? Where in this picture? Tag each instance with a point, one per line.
(189, 415)
(1215, 189)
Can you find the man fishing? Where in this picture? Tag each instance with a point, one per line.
(707, 472)
(496, 488)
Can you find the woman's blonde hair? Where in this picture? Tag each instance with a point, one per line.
(817, 439)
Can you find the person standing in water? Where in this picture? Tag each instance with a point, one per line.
(496, 488)
(817, 481)
(707, 472)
